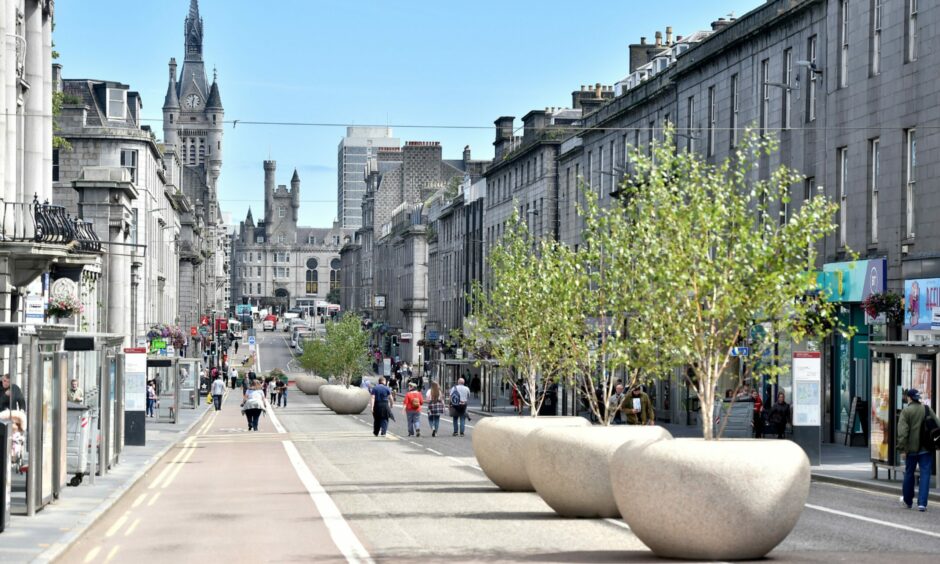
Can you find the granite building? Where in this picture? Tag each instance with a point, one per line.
(359, 145)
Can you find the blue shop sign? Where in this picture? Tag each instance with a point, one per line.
(853, 281)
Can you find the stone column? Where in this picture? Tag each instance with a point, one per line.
(34, 136)
(47, 106)
(118, 281)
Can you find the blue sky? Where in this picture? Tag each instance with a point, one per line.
(410, 62)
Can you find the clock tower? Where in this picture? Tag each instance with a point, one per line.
(192, 110)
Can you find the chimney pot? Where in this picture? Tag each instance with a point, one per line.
(669, 35)
(642, 41)
(659, 39)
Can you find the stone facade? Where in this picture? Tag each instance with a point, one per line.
(277, 263)
(355, 150)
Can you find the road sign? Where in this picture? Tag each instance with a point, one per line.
(740, 351)
(204, 320)
(193, 331)
(251, 339)
(243, 309)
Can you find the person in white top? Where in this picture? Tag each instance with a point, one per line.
(254, 403)
(459, 396)
(218, 388)
(232, 375)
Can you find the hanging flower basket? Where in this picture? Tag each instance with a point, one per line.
(64, 307)
(173, 334)
(891, 304)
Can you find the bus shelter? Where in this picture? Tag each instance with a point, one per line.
(163, 372)
(38, 368)
(190, 370)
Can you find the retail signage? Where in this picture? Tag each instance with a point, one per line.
(405, 337)
(221, 324)
(740, 351)
(922, 303)
(35, 309)
(433, 335)
(243, 309)
(853, 281)
(807, 388)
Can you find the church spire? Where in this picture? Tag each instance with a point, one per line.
(193, 32)
(172, 99)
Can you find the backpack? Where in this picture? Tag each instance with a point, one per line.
(929, 431)
(415, 402)
(454, 396)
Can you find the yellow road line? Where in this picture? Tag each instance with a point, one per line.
(112, 553)
(117, 524)
(140, 499)
(169, 467)
(179, 467)
(133, 526)
(92, 554)
(153, 499)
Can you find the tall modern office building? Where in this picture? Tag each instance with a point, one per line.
(355, 149)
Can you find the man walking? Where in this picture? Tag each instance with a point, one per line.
(232, 375)
(218, 388)
(616, 403)
(913, 443)
(413, 402)
(281, 393)
(638, 408)
(382, 404)
(459, 396)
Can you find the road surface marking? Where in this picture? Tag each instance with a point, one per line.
(117, 524)
(179, 467)
(343, 536)
(169, 467)
(875, 521)
(414, 443)
(140, 499)
(434, 451)
(153, 499)
(618, 523)
(133, 527)
(92, 554)
(112, 553)
(276, 422)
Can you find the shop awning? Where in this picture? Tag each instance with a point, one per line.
(904, 347)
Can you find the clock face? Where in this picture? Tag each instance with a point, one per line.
(193, 101)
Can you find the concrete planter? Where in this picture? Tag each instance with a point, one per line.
(309, 384)
(569, 467)
(498, 445)
(712, 500)
(343, 400)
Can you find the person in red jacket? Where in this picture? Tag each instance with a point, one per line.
(758, 421)
(413, 402)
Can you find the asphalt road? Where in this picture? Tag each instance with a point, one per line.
(408, 498)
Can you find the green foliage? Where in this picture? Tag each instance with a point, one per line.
(333, 296)
(720, 259)
(343, 354)
(889, 303)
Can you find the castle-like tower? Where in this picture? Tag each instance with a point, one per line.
(280, 205)
(192, 110)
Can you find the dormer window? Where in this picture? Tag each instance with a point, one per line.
(117, 103)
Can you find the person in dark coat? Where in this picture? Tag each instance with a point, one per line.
(780, 416)
(382, 404)
(11, 396)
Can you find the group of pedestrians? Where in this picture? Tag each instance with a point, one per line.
(383, 405)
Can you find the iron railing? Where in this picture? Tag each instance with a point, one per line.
(46, 223)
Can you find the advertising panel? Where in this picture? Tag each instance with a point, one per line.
(881, 411)
(135, 380)
(922, 303)
(807, 388)
(853, 281)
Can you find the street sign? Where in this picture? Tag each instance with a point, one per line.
(405, 337)
(204, 320)
(193, 331)
(740, 351)
(35, 309)
(251, 339)
(243, 309)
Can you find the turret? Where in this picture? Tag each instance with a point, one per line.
(269, 169)
(215, 114)
(295, 194)
(171, 106)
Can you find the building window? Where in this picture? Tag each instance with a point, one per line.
(117, 103)
(280, 211)
(281, 238)
(875, 156)
(612, 174)
(312, 284)
(712, 121)
(690, 117)
(202, 151)
(842, 162)
(335, 279)
(910, 178)
(876, 9)
(134, 220)
(259, 288)
(280, 272)
(764, 95)
(787, 77)
(129, 161)
(650, 132)
(55, 165)
(843, 43)
(911, 30)
(259, 239)
(811, 79)
(258, 271)
(734, 110)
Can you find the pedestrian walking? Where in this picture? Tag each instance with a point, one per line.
(218, 388)
(382, 404)
(233, 376)
(151, 398)
(616, 403)
(781, 415)
(916, 447)
(253, 404)
(413, 402)
(757, 417)
(435, 407)
(638, 408)
(235, 344)
(459, 396)
(281, 393)
(272, 390)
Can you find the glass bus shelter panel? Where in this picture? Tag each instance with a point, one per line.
(188, 382)
(167, 386)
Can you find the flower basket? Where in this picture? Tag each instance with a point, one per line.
(64, 307)
(890, 304)
(173, 334)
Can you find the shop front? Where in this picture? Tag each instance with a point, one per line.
(846, 359)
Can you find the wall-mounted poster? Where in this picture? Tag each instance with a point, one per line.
(807, 388)
(922, 379)
(881, 411)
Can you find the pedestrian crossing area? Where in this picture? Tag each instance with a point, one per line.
(233, 435)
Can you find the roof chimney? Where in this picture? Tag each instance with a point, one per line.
(659, 39)
(668, 35)
(642, 41)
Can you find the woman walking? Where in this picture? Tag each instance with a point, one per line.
(254, 403)
(435, 407)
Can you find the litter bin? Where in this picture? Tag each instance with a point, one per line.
(78, 429)
(5, 474)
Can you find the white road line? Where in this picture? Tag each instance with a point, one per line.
(130, 530)
(343, 536)
(112, 553)
(875, 521)
(117, 524)
(434, 451)
(414, 443)
(276, 422)
(618, 523)
(140, 499)
(92, 554)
